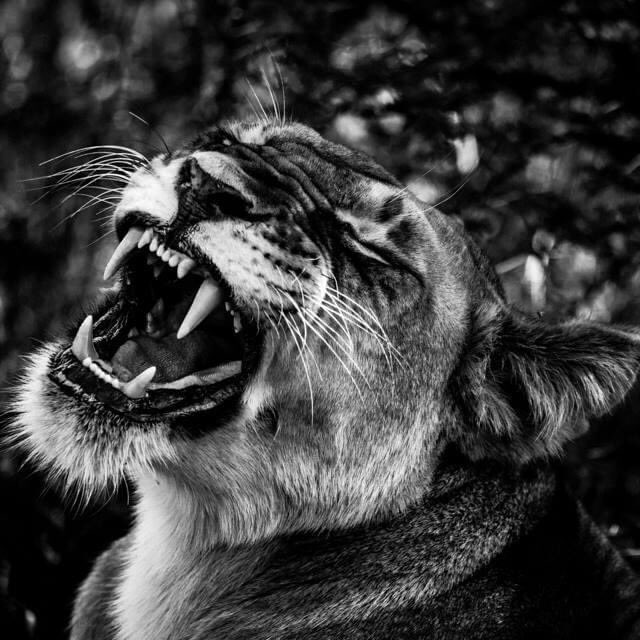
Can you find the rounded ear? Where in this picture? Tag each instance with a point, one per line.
(525, 387)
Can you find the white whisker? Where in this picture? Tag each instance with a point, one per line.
(274, 103)
(304, 364)
(112, 148)
(264, 113)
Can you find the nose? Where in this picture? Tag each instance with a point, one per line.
(150, 199)
(204, 197)
(190, 189)
(173, 203)
(196, 191)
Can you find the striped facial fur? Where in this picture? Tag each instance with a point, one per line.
(292, 340)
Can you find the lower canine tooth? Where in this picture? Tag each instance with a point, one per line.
(137, 387)
(207, 298)
(82, 346)
(237, 324)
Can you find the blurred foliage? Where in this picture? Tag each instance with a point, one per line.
(520, 116)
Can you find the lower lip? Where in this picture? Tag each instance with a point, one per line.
(77, 381)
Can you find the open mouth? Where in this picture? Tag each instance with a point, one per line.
(174, 340)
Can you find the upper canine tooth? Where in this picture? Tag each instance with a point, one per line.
(127, 244)
(146, 238)
(207, 298)
(137, 387)
(82, 346)
(185, 266)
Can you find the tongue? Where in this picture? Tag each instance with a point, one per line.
(173, 358)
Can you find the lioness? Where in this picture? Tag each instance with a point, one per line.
(336, 426)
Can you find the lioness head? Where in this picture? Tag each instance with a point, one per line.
(294, 338)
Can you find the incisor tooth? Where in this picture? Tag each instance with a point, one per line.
(184, 267)
(137, 387)
(154, 244)
(208, 297)
(82, 346)
(146, 238)
(127, 244)
(173, 261)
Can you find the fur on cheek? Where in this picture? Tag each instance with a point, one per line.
(85, 450)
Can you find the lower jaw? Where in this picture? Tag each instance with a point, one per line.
(159, 405)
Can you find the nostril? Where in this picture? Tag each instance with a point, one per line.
(204, 196)
(197, 177)
(193, 177)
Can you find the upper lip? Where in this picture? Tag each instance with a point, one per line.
(138, 237)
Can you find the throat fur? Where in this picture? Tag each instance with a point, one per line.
(300, 584)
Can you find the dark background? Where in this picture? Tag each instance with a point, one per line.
(520, 116)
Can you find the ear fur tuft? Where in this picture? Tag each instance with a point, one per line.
(527, 387)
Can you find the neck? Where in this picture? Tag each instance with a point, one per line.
(177, 560)
(170, 582)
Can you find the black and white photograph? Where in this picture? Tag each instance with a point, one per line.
(319, 320)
